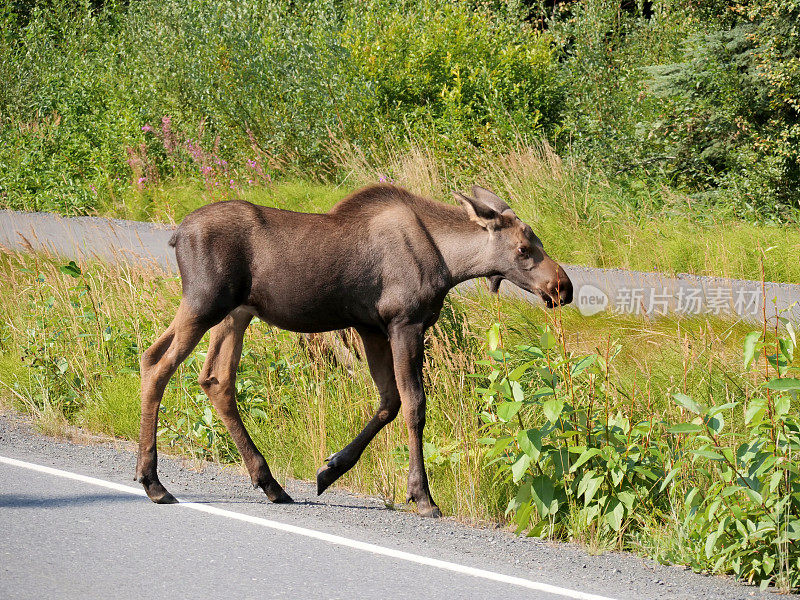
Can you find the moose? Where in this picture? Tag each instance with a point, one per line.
(380, 261)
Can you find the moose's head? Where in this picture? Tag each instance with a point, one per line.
(513, 251)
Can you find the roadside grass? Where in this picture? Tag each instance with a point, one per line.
(581, 220)
(71, 337)
(61, 355)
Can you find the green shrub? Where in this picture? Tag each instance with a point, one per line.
(725, 474)
(470, 76)
(64, 119)
(576, 460)
(725, 125)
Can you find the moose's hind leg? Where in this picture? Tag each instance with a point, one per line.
(379, 358)
(218, 380)
(158, 364)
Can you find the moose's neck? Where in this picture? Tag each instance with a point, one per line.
(464, 246)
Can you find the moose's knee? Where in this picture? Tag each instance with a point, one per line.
(388, 414)
(208, 382)
(221, 393)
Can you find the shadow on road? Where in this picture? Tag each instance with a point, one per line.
(296, 503)
(25, 501)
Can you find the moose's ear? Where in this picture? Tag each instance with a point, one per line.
(479, 212)
(490, 199)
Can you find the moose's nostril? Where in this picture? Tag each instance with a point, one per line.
(562, 290)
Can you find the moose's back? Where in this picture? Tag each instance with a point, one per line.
(310, 272)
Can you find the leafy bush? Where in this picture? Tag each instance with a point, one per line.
(273, 82)
(63, 121)
(743, 511)
(472, 76)
(555, 431)
(723, 122)
(576, 461)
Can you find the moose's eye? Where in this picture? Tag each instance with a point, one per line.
(522, 252)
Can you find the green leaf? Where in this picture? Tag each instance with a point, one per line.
(615, 511)
(519, 371)
(782, 405)
(783, 385)
(507, 410)
(689, 404)
(793, 529)
(539, 529)
(769, 563)
(257, 412)
(711, 541)
(593, 484)
(530, 442)
(547, 340)
(754, 495)
(670, 476)
(707, 454)
(516, 391)
(715, 423)
(543, 493)
(500, 446)
(627, 498)
(585, 456)
(731, 489)
(523, 497)
(685, 428)
(493, 336)
(716, 409)
(617, 475)
(71, 269)
(583, 364)
(775, 480)
(523, 518)
(790, 331)
(787, 349)
(754, 411)
(751, 347)
(520, 466)
(552, 409)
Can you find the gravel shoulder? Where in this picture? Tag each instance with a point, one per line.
(618, 575)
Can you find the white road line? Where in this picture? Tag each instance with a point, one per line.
(319, 535)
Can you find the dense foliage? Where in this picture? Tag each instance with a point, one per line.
(724, 473)
(101, 96)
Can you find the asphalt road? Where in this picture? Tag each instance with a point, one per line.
(66, 538)
(596, 290)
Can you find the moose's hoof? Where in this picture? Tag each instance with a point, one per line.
(325, 477)
(281, 498)
(274, 491)
(157, 492)
(432, 511)
(328, 473)
(425, 507)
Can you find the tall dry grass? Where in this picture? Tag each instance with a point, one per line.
(584, 218)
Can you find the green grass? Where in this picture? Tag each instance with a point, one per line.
(114, 408)
(301, 408)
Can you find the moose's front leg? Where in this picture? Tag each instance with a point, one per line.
(407, 341)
